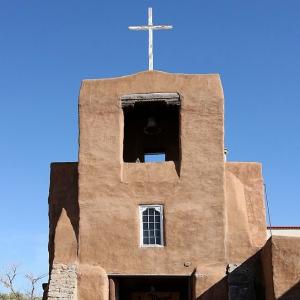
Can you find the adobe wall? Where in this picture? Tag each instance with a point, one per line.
(63, 231)
(286, 267)
(245, 210)
(110, 191)
(266, 259)
(63, 213)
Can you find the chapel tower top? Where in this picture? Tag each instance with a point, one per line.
(179, 116)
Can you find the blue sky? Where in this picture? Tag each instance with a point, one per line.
(48, 47)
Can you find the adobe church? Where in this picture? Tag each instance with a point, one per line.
(152, 209)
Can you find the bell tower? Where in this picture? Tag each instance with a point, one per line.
(140, 218)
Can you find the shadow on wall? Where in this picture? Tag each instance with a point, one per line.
(292, 294)
(245, 282)
(218, 291)
(63, 195)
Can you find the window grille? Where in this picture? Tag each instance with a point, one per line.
(151, 223)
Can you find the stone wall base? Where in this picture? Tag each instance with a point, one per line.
(63, 282)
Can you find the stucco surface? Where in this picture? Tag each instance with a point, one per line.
(109, 202)
(110, 192)
(92, 283)
(211, 283)
(150, 172)
(286, 267)
(245, 210)
(266, 258)
(63, 213)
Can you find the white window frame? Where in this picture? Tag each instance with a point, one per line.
(159, 208)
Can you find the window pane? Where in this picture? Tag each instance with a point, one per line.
(151, 233)
(152, 241)
(151, 225)
(157, 218)
(145, 219)
(157, 233)
(151, 211)
(151, 219)
(157, 225)
(145, 226)
(146, 241)
(146, 233)
(158, 241)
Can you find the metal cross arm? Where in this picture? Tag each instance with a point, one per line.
(153, 27)
(150, 27)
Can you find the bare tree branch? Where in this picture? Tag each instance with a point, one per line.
(7, 279)
(33, 280)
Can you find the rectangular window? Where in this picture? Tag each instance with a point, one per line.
(151, 225)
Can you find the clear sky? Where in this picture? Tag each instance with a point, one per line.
(48, 47)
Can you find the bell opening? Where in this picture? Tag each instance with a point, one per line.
(151, 128)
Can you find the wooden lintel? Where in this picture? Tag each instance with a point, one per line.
(168, 98)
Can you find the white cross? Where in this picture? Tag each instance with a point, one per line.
(150, 27)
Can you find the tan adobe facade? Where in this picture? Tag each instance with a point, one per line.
(190, 227)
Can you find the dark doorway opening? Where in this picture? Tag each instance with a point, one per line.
(150, 287)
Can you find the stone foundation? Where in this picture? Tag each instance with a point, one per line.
(63, 282)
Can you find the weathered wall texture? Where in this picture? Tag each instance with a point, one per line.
(286, 267)
(246, 281)
(110, 192)
(281, 265)
(63, 213)
(92, 283)
(63, 231)
(266, 258)
(245, 210)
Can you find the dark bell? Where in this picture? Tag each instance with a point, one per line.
(152, 127)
